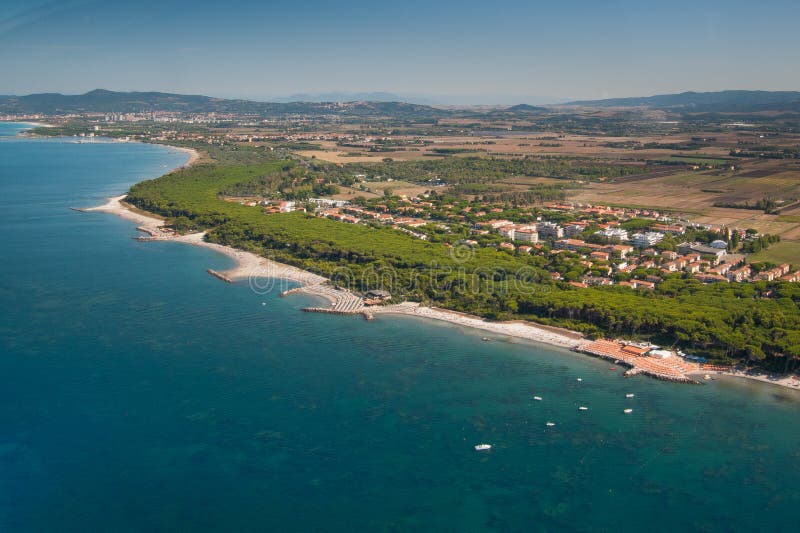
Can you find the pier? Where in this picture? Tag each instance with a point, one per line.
(219, 275)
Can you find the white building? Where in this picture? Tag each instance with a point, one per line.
(549, 230)
(644, 240)
(508, 231)
(526, 234)
(613, 233)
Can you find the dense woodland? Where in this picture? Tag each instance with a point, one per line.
(758, 322)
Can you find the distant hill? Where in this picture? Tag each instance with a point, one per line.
(353, 97)
(721, 101)
(525, 108)
(103, 101)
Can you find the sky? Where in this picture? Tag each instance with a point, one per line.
(504, 51)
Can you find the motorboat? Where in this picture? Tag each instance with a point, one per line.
(483, 447)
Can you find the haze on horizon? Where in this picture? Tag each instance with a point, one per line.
(444, 52)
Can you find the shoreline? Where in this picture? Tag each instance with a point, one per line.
(517, 328)
(194, 155)
(254, 267)
(790, 382)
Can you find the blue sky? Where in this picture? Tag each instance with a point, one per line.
(475, 51)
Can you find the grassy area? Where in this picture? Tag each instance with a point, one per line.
(782, 252)
(699, 160)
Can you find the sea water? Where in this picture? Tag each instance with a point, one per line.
(138, 393)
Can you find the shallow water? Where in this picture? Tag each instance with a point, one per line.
(139, 393)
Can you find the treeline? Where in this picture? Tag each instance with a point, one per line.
(534, 196)
(759, 243)
(768, 205)
(459, 170)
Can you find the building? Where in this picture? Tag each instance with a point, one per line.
(702, 249)
(575, 245)
(549, 230)
(570, 230)
(526, 234)
(740, 274)
(508, 231)
(645, 240)
(613, 234)
(327, 202)
(667, 228)
(495, 224)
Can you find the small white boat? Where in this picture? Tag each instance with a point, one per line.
(628, 411)
(551, 424)
(630, 395)
(537, 398)
(706, 377)
(582, 408)
(485, 339)
(483, 447)
(580, 379)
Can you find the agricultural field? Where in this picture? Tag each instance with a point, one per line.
(700, 194)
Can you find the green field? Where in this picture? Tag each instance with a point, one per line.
(782, 252)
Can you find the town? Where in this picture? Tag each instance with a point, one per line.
(583, 244)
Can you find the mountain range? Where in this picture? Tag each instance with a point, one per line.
(376, 104)
(720, 101)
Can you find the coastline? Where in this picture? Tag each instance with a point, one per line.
(516, 328)
(194, 155)
(252, 267)
(784, 381)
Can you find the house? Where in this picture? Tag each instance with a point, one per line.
(574, 245)
(740, 274)
(633, 349)
(622, 249)
(794, 276)
(705, 277)
(667, 228)
(496, 224)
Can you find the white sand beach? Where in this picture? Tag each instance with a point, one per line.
(517, 328)
(252, 267)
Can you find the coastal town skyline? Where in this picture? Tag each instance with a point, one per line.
(444, 53)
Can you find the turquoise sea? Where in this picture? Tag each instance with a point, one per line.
(137, 393)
